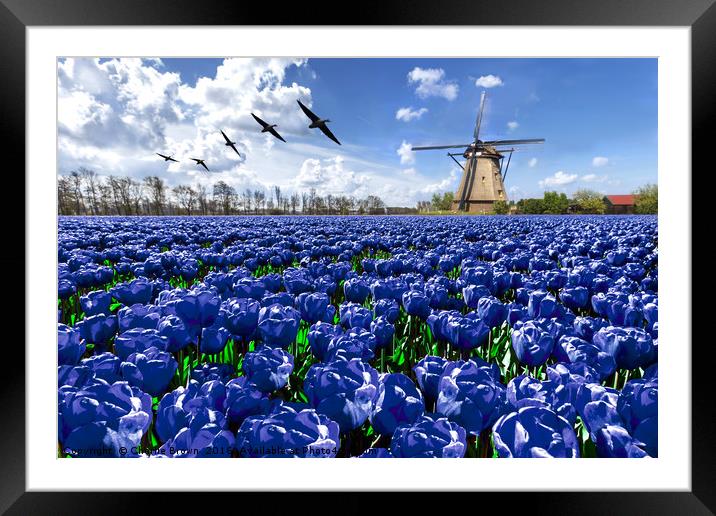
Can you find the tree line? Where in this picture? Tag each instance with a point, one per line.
(583, 201)
(84, 192)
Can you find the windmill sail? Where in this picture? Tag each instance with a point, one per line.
(478, 122)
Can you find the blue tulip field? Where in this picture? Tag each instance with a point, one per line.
(365, 337)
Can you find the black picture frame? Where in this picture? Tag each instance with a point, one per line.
(17, 15)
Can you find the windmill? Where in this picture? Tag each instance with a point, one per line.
(482, 181)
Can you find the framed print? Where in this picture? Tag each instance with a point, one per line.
(431, 233)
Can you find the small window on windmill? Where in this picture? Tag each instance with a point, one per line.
(483, 179)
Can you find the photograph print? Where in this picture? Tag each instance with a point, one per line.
(357, 258)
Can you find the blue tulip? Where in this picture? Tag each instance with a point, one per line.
(138, 340)
(630, 347)
(639, 409)
(532, 343)
(534, 432)
(491, 311)
(70, 347)
(428, 372)
(343, 390)
(138, 316)
(100, 420)
(471, 395)
(213, 339)
(151, 370)
(430, 436)
(315, 306)
(268, 368)
(356, 290)
(398, 402)
(133, 292)
(319, 337)
(96, 302)
(241, 316)
(176, 333)
(289, 433)
(278, 325)
(98, 329)
(614, 441)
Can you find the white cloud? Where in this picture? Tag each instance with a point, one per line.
(594, 178)
(559, 178)
(431, 83)
(445, 184)
(407, 156)
(488, 81)
(512, 125)
(532, 162)
(410, 172)
(330, 176)
(407, 114)
(132, 108)
(600, 161)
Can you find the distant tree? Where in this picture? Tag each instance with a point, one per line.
(277, 194)
(295, 200)
(157, 193)
(76, 182)
(530, 206)
(555, 203)
(90, 179)
(224, 196)
(375, 204)
(647, 200)
(442, 202)
(589, 201)
(65, 196)
(186, 197)
(202, 200)
(246, 198)
(501, 208)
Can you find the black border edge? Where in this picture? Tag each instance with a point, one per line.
(12, 123)
(387, 12)
(703, 113)
(15, 15)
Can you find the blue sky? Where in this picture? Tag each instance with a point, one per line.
(598, 116)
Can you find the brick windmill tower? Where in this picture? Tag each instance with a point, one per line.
(483, 180)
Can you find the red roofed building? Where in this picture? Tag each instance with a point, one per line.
(620, 204)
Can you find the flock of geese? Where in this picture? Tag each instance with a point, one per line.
(316, 123)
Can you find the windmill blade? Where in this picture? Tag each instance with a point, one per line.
(440, 147)
(513, 142)
(507, 168)
(478, 122)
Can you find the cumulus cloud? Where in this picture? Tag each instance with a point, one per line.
(407, 156)
(559, 178)
(532, 162)
(488, 81)
(113, 114)
(512, 125)
(431, 83)
(330, 176)
(446, 184)
(600, 161)
(406, 114)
